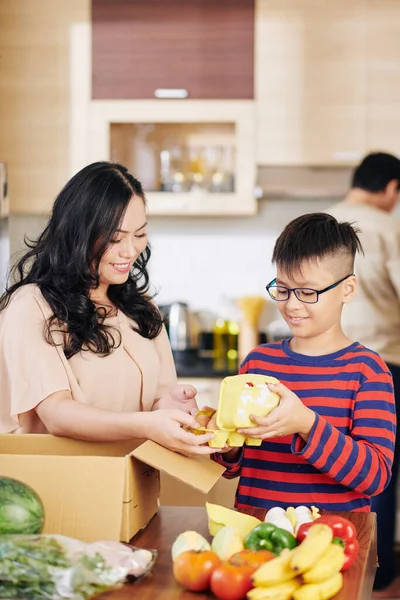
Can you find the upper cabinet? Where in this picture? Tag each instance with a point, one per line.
(310, 81)
(199, 49)
(383, 76)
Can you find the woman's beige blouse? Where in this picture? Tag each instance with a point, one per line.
(131, 378)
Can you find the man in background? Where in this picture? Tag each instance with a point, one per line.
(373, 318)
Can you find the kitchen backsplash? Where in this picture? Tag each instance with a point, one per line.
(206, 262)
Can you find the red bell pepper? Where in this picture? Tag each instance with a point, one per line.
(344, 533)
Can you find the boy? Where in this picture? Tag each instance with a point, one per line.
(330, 441)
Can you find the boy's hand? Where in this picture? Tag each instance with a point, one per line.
(289, 417)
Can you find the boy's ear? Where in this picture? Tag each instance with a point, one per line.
(392, 187)
(350, 288)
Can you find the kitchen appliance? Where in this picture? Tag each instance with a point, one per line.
(183, 330)
(4, 228)
(182, 326)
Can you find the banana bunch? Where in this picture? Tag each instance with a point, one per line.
(309, 572)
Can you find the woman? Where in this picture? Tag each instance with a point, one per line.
(83, 351)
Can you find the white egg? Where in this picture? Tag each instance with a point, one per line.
(281, 522)
(274, 512)
(302, 510)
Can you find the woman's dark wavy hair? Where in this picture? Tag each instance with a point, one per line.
(64, 261)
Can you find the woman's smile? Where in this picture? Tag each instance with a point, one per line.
(122, 267)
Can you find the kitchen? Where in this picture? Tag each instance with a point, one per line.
(320, 101)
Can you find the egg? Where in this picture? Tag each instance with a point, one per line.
(274, 512)
(302, 510)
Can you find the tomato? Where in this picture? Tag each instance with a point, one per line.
(251, 558)
(231, 582)
(193, 569)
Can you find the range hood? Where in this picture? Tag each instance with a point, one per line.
(303, 182)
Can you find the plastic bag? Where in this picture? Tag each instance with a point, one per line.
(53, 567)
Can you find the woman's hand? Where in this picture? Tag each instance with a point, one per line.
(289, 417)
(181, 397)
(166, 428)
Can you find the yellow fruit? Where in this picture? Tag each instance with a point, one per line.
(281, 591)
(311, 548)
(320, 591)
(275, 571)
(227, 542)
(330, 563)
(221, 516)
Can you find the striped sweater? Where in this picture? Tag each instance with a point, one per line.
(349, 453)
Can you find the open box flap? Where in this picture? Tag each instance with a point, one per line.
(46, 444)
(200, 472)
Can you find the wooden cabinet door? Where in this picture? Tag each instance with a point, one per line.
(310, 81)
(202, 46)
(383, 76)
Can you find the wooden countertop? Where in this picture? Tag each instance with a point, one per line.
(171, 521)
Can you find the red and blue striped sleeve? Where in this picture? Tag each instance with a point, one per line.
(232, 469)
(361, 461)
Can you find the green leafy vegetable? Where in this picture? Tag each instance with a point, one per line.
(38, 568)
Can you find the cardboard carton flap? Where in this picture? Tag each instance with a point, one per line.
(32, 443)
(200, 473)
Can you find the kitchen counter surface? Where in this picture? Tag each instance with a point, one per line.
(170, 521)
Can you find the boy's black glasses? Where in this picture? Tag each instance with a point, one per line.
(280, 293)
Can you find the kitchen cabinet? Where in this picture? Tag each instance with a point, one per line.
(201, 49)
(383, 76)
(102, 130)
(310, 81)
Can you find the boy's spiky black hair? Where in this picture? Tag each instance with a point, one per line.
(314, 236)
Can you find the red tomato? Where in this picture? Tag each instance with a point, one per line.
(231, 582)
(193, 569)
(251, 558)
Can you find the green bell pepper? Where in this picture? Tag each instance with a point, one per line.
(267, 536)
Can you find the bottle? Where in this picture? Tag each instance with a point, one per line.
(220, 344)
(225, 345)
(196, 169)
(232, 354)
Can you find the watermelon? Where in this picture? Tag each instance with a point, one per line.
(21, 509)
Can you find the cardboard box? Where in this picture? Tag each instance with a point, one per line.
(98, 491)
(176, 493)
